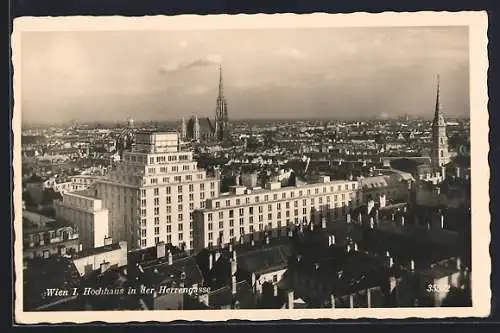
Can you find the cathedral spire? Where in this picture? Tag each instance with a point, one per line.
(221, 85)
(437, 111)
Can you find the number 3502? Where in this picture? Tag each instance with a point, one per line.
(437, 288)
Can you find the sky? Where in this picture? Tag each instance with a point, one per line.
(283, 73)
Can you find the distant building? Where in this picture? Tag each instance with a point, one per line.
(206, 129)
(153, 191)
(82, 182)
(199, 130)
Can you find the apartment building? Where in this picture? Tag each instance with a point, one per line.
(153, 192)
(246, 214)
(86, 212)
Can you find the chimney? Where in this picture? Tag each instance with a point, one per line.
(233, 285)
(331, 240)
(332, 301)
(351, 301)
(458, 262)
(217, 256)
(170, 257)
(234, 267)
(108, 241)
(323, 223)
(275, 290)
(392, 283)
(290, 299)
(412, 265)
(160, 250)
(368, 298)
(210, 261)
(382, 200)
(390, 262)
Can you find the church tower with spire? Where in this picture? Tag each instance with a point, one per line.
(221, 116)
(439, 152)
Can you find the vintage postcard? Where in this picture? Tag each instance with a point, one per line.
(258, 167)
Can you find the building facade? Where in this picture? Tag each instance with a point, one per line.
(248, 214)
(87, 214)
(153, 191)
(46, 238)
(439, 151)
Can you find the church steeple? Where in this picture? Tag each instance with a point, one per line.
(438, 104)
(221, 114)
(440, 155)
(221, 84)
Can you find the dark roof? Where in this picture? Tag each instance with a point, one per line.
(461, 161)
(223, 297)
(96, 250)
(264, 260)
(41, 274)
(148, 256)
(405, 247)
(184, 270)
(347, 272)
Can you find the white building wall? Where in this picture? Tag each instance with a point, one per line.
(87, 214)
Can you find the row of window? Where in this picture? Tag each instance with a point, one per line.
(168, 189)
(174, 168)
(275, 196)
(143, 232)
(287, 205)
(288, 214)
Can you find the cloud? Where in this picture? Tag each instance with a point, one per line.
(197, 90)
(291, 53)
(205, 61)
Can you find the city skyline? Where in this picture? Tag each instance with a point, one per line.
(111, 76)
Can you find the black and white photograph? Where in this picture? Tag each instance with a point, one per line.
(268, 166)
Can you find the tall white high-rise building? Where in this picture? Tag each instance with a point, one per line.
(153, 192)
